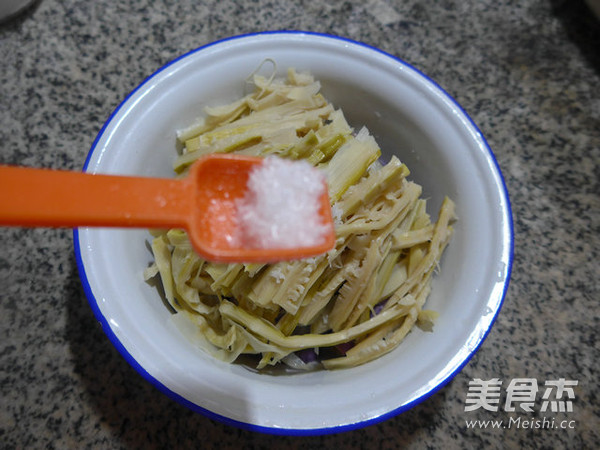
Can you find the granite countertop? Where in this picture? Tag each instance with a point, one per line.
(527, 72)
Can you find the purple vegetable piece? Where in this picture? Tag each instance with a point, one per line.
(343, 348)
(307, 355)
(378, 307)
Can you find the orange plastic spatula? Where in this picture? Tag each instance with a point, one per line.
(202, 203)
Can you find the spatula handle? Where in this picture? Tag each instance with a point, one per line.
(50, 198)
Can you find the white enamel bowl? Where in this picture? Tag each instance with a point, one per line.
(411, 117)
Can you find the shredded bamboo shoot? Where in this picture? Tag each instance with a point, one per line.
(359, 300)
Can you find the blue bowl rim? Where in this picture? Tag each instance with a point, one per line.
(275, 430)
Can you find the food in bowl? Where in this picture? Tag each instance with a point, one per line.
(410, 116)
(338, 310)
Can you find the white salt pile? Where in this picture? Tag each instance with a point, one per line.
(281, 205)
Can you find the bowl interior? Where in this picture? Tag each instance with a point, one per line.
(411, 117)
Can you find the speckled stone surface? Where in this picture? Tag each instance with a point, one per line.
(527, 72)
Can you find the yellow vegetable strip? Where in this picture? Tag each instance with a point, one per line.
(270, 333)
